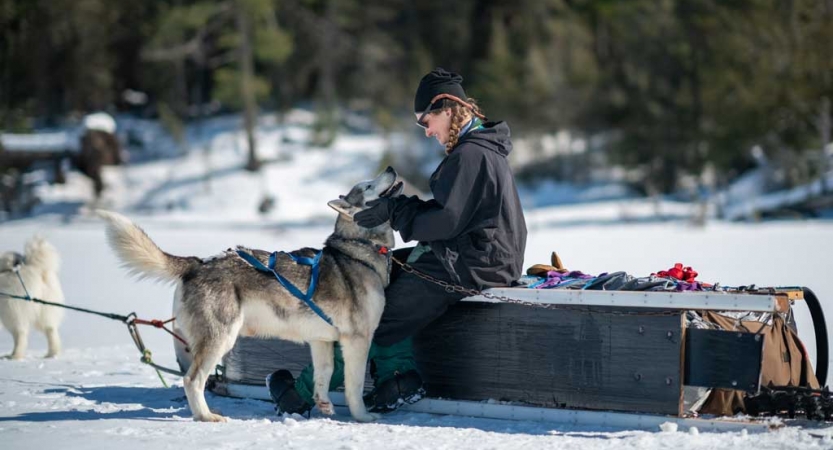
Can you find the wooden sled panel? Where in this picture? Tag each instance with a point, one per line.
(554, 358)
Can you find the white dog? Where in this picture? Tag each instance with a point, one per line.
(38, 268)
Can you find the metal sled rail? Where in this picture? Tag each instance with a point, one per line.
(631, 421)
(714, 301)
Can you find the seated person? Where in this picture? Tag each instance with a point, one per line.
(471, 234)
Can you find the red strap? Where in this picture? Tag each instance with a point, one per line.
(161, 324)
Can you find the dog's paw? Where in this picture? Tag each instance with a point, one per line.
(50, 355)
(367, 417)
(210, 417)
(326, 408)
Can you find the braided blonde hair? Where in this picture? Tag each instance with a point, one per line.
(460, 116)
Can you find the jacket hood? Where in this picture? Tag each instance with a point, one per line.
(493, 136)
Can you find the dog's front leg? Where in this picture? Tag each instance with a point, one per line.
(322, 363)
(21, 342)
(355, 349)
(54, 341)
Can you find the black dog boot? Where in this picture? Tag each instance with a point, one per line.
(403, 389)
(281, 387)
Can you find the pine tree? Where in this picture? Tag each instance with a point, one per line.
(231, 39)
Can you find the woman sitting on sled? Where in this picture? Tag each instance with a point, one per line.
(472, 233)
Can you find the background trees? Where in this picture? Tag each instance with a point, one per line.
(678, 84)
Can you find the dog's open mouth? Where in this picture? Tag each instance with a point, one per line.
(393, 188)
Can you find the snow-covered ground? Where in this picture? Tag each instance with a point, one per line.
(98, 395)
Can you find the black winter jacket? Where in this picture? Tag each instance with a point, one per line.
(474, 224)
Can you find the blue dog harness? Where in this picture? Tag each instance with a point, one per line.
(306, 298)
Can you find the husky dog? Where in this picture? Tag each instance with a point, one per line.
(38, 268)
(222, 297)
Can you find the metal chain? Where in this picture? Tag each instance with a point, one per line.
(449, 287)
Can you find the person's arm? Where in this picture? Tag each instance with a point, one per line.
(457, 194)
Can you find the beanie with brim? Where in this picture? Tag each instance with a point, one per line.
(438, 81)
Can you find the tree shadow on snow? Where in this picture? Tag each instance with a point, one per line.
(170, 404)
(65, 209)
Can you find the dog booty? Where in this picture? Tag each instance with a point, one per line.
(402, 389)
(281, 387)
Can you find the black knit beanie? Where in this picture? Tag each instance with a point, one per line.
(438, 81)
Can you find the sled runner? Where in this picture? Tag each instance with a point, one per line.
(608, 358)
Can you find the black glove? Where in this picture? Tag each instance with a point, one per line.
(380, 211)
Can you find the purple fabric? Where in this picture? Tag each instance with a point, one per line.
(684, 286)
(573, 274)
(555, 279)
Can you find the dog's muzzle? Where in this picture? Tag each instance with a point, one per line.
(393, 188)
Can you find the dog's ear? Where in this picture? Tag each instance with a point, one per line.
(342, 206)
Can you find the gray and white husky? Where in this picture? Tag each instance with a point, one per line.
(222, 297)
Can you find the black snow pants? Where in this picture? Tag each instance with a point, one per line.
(411, 303)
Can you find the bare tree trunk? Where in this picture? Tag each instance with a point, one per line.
(7, 77)
(279, 82)
(247, 85)
(180, 102)
(825, 123)
(824, 128)
(326, 82)
(199, 119)
(328, 89)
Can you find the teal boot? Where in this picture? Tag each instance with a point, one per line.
(305, 383)
(395, 377)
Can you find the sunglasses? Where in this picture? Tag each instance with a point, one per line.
(421, 121)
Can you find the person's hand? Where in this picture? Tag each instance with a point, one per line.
(379, 212)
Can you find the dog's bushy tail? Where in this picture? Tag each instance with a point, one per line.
(139, 253)
(39, 252)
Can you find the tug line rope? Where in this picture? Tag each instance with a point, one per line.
(131, 320)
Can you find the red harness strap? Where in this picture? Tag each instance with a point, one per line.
(161, 324)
